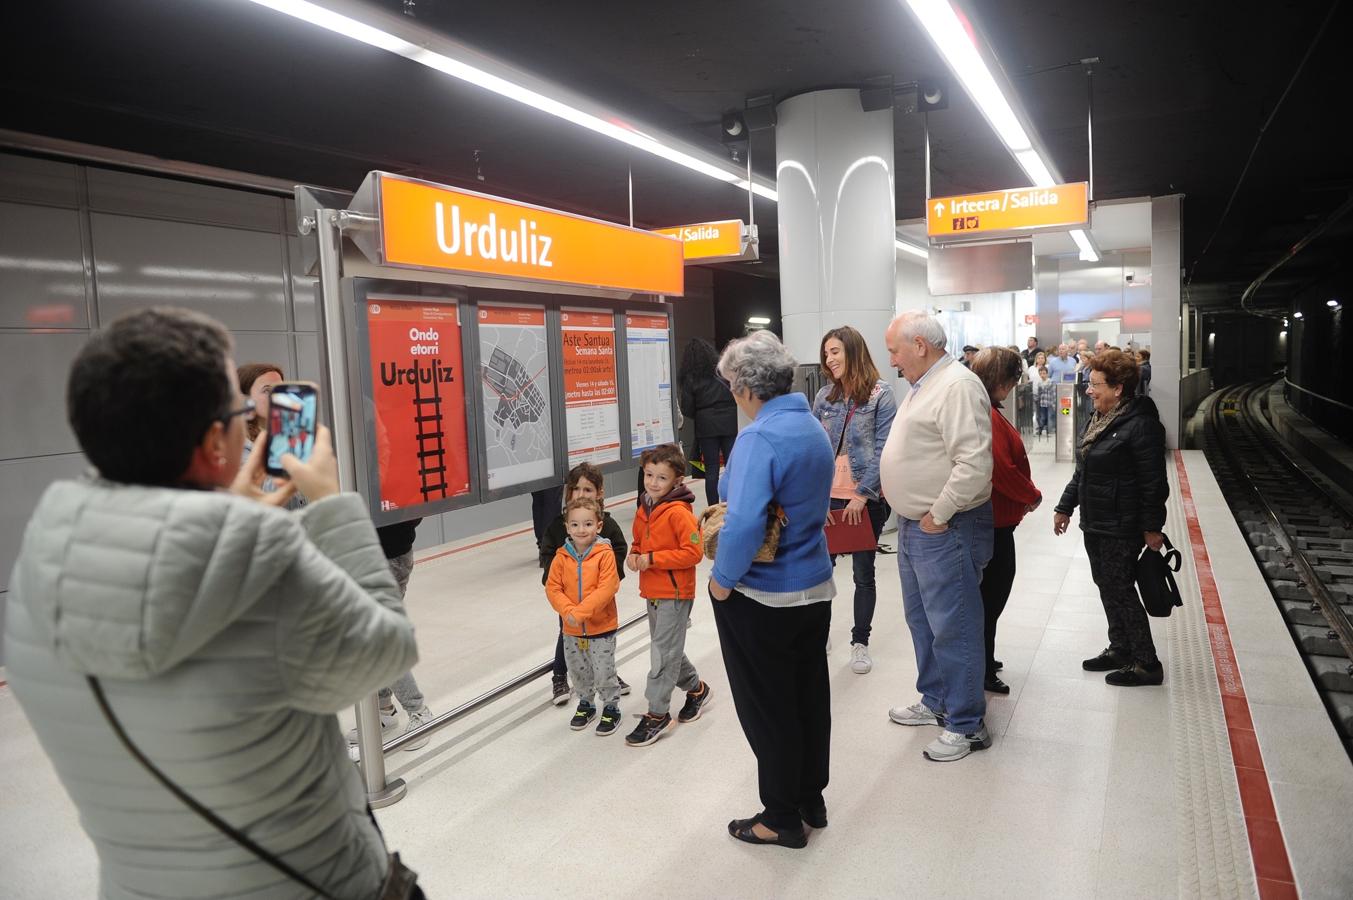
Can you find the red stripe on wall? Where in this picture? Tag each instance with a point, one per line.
(1272, 868)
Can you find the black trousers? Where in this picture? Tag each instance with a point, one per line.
(710, 448)
(776, 661)
(862, 564)
(1113, 563)
(545, 505)
(997, 578)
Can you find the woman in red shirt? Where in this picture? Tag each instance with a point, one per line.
(1013, 494)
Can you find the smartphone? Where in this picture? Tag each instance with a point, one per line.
(292, 421)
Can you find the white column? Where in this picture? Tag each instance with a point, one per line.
(837, 223)
(1165, 312)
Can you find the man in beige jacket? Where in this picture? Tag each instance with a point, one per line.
(936, 473)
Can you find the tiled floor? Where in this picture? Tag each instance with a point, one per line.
(1075, 799)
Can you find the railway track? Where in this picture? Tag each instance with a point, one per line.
(1300, 528)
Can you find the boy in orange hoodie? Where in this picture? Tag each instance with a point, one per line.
(665, 550)
(581, 587)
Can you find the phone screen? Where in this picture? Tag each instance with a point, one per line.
(291, 423)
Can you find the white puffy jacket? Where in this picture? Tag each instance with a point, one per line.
(226, 636)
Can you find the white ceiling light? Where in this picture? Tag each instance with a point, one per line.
(758, 320)
(912, 249)
(956, 39)
(450, 63)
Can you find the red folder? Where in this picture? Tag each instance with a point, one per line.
(846, 538)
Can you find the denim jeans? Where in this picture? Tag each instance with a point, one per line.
(1044, 412)
(862, 562)
(941, 574)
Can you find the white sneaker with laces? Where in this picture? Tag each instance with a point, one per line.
(422, 717)
(388, 722)
(951, 745)
(860, 661)
(916, 714)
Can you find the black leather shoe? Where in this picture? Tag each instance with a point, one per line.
(998, 666)
(1107, 661)
(995, 685)
(813, 818)
(742, 830)
(1136, 675)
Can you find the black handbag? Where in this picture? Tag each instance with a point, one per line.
(400, 881)
(1155, 579)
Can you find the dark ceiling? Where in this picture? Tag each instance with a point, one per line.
(1181, 93)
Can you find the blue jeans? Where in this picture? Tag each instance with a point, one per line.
(941, 574)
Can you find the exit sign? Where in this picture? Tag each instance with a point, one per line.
(1009, 211)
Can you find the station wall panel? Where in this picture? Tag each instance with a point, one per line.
(168, 198)
(34, 180)
(22, 482)
(42, 271)
(33, 369)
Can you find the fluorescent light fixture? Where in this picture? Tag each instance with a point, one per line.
(1088, 251)
(1035, 168)
(1211, 335)
(758, 320)
(912, 249)
(1298, 315)
(610, 126)
(1283, 333)
(1332, 303)
(953, 38)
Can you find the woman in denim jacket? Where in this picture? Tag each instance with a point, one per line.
(855, 394)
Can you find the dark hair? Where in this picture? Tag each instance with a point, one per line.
(584, 470)
(161, 368)
(1119, 369)
(586, 503)
(857, 383)
(997, 366)
(698, 363)
(248, 374)
(667, 454)
(1145, 354)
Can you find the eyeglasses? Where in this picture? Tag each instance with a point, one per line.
(1098, 384)
(248, 407)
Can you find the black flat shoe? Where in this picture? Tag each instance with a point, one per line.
(742, 830)
(813, 818)
(999, 665)
(1137, 675)
(994, 685)
(1107, 661)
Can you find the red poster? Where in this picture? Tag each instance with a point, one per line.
(591, 398)
(419, 389)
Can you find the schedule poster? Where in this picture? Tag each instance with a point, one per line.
(591, 391)
(648, 351)
(418, 386)
(514, 362)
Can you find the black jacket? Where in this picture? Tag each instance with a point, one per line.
(397, 539)
(554, 537)
(711, 406)
(1120, 484)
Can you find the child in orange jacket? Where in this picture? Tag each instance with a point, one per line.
(665, 551)
(581, 587)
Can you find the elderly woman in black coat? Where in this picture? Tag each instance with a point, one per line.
(1121, 488)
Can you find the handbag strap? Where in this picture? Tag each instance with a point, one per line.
(216, 821)
(840, 442)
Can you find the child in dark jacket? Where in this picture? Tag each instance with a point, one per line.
(667, 548)
(584, 481)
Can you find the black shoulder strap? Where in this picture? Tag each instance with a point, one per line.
(215, 820)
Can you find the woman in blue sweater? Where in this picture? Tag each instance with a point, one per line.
(773, 617)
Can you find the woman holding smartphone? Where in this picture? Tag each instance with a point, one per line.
(857, 408)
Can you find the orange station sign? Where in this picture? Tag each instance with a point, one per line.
(431, 226)
(709, 240)
(1017, 209)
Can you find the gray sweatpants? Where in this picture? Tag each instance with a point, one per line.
(669, 666)
(591, 665)
(406, 689)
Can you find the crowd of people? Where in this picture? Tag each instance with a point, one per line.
(143, 593)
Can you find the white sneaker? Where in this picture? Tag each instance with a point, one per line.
(860, 661)
(388, 722)
(422, 717)
(916, 714)
(951, 745)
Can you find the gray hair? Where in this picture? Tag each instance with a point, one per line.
(920, 324)
(758, 363)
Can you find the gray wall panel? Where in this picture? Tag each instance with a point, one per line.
(34, 369)
(307, 357)
(147, 195)
(42, 280)
(230, 274)
(302, 289)
(264, 347)
(22, 482)
(39, 180)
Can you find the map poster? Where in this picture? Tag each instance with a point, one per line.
(648, 351)
(591, 392)
(514, 375)
(418, 386)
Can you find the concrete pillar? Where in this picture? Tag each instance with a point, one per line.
(1046, 305)
(834, 168)
(1166, 366)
